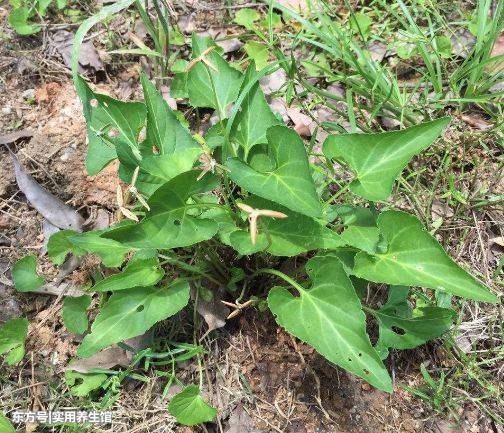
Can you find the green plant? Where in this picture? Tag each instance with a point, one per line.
(24, 12)
(237, 207)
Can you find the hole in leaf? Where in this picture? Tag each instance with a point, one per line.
(176, 222)
(140, 308)
(398, 330)
(349, 359)
(360, 354)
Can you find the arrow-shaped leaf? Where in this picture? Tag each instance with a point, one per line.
(401, 327)
(168, 224)
(377, 159)
(254, 117)
(328, 316)
(289, 183)
(138, 273)
(415, 258)
(130, 313)
(109, 122)
(211, 81)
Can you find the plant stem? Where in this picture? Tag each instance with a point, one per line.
(280, 274)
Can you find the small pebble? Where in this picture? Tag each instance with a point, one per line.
(67, 153)
(7, 110)
(28, 94)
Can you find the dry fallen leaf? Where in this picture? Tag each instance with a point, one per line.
(105, 359)
(67, 288)
(88, 59)
(303, 124)
(15, 136)
(52, 208)
(273, 82)
(214, 312)
(112, 356)
(172, 103)
(476, 121)
(240, 422)
(48, 230)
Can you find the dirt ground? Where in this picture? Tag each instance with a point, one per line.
(259, 375)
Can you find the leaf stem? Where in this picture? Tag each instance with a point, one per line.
(280, 274)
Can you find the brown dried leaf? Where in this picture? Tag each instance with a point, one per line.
(303, 124)
(214, 312)
(15, 136)
(476, 121)
(89, 58)
(105, 359)
(51, 207)
(240, 422)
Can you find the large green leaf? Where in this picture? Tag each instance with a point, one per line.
(24, 274)
(109, 122)
(138, 273)
(130, 313)
(289, 237)
(12, 339)
(75, 313)
(415, 258)
(377, 159)
(254, 117)
(289, 183)
(189, 408)
(328, 316)
(208, 87)
(168, 223)
(402, 327)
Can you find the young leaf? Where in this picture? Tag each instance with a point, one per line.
(328, 316)
(189, 408)
(254, 118)
(289, 237)
(18, 19)
(361, 231)
(214, 86)
(138, 273)
(24, 274)
(59, 246)
(130, 313)
(415, 258)
(258, 52)
(246, 17)
(289, 183)
(377, 159)
(109, 122)
(401, 327)
(168, 224)
(360, 23)
(81, 384)
(177, 149)
(12, 339)
(74, 313)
